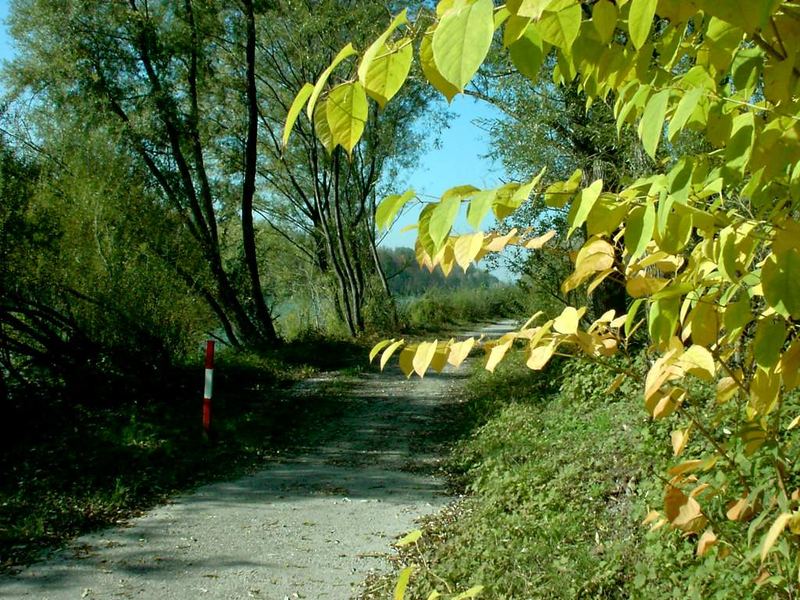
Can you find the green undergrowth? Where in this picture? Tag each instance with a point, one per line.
(71, 464)
(559, 474)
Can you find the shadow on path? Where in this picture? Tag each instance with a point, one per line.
(310, 526)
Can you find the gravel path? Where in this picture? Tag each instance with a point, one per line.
(311, 526)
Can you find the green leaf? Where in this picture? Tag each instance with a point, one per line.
(423, 233)
(640, 20)
(685, 108)
(506, 203)
(582, 205)
(781, 283)
(531, 9)
(472, 592)
(604, 19)
(378, 47)
(345, 52)
(662, 319)
(631, 316)
(768, 341)
(409, 538)
(479, 207)
(430, 70)
(736, 317)
(389, 71)
(402, 583)
(294, 111)
(347, 114)
(652, 124)
(527, 54)
(560, 24)
(558, 194)
(321, 128)
(747, 14)
(442, 218)
(461, 41)
(515, 28)
(639, 229)
(390, 206)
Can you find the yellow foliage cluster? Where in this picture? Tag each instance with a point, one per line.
(707, 245)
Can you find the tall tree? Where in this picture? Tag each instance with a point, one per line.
(150, 69)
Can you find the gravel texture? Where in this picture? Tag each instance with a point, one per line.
(311, 526)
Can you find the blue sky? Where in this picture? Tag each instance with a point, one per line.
(459, 159)
(6, 51)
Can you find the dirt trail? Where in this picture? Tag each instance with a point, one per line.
(311, 526)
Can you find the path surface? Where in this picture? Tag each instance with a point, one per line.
(311, 526)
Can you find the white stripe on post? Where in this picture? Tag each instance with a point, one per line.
(209, 383)
(208, 387)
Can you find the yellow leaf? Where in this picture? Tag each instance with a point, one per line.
(323, 78)
(790, 365)
(666, 403)
(387, 354)
(294, 111)
(538, 242)
(498, 351)
(794, 523)
(682, 511)
(459, 352)
(739, 510)
(679, 439)
(406, 360)
(423, 357)
(704, 322)
(774, 532)
(440, 358)
(378, 347)
(567, 322)
(538, 357)
(726, 389)
(706, 542)
(429, 68)
(651, 516)
(699, 362)
(765, 389)
(687, 466)
(753, 436)
(794, 423)
(618, 380)
(467, 248)
(496, 243)
(639, 287)
(402, 583)
(409, 538)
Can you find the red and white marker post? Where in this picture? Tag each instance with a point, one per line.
(209, 386)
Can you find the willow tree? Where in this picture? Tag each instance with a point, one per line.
(705, 243)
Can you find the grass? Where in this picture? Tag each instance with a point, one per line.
(559, 475)
(70, 465)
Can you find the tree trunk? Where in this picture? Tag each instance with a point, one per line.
(264, 319)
